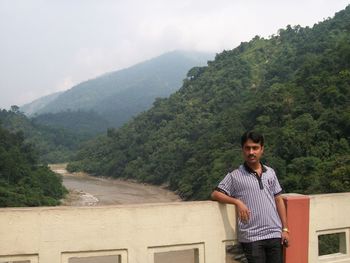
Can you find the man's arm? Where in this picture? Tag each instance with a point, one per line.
(243, 211)
(281, 209)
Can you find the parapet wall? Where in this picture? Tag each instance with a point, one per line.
(132, 233)
(330, 216)
(141, 233)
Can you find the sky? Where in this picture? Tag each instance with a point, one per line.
(48, 46)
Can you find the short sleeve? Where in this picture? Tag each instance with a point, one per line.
(276, 187)
(227, 185)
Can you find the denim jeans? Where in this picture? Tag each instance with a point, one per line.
(264, 251)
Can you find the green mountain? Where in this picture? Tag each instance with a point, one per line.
(294, 87)
(120, 95)
(30, 108)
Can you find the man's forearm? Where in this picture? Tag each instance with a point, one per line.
(223, 198)
(282, 212)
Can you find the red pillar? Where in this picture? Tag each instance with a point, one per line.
(298, 207)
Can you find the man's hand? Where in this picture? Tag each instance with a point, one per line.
(243, 211)
(285, 239)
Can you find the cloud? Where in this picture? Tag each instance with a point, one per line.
(49, 45)
(67, 83)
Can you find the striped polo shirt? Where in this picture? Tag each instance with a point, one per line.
(258, 194)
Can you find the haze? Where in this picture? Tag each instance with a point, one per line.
(49, 46)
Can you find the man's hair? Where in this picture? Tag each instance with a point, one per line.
(254, 136)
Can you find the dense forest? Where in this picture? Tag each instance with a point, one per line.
(51, 143)
(293, 87)
(85, 124)
(23, 182)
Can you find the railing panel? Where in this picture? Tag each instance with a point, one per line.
(234, 252)
(190, 253)
(329, 228)
(112, 256)
(19, 259)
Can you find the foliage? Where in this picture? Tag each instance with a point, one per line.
(51, 144)
(84, 124)
(22, 181)
(330, 244)
(293, 87)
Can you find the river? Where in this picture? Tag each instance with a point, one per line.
(86, 190)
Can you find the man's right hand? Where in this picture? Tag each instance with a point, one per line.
(243, 211)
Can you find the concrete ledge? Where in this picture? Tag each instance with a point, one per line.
(137, 229)
(136, 232)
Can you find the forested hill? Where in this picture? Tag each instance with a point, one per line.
(294, 87)
(34, 106)
(118, 96)
(50, 144)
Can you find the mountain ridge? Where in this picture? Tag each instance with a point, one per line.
(30, 108)
(157, 77)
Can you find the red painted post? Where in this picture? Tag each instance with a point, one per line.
(298, 207)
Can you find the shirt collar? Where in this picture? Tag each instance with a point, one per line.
(250, 170)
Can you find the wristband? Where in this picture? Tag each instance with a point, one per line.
(285, 229)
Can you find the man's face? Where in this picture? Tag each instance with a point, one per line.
(252, 152)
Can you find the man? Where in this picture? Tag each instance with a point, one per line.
(255, 191)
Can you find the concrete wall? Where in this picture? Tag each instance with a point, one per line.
(134, 232)
(329, 214)
(142, 233)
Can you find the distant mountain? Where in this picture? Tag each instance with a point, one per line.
(120, 95)
(33, 107)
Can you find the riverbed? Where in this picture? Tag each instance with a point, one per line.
(86, 190)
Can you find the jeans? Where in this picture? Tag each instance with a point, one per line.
(264, 251)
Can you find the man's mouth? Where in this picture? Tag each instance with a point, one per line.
(251, 157)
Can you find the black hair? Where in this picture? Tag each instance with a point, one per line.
(254, 136)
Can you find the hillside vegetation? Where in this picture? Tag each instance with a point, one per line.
(23, 182)
(293, 87)
(51, 143)
(31, 108)
(85, 124)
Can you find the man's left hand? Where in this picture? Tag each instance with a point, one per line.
(285, 239)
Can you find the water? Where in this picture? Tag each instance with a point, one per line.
(87, 190)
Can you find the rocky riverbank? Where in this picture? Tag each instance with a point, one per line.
(86, 190)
